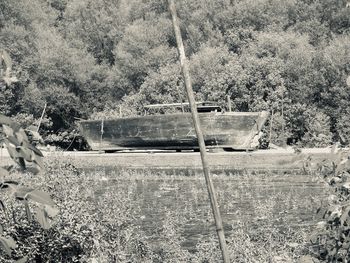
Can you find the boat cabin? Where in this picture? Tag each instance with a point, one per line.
(203, 106)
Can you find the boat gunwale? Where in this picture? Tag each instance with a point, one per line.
(232, 113)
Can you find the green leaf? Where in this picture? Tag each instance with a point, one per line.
(35, 150)
(11, 182)
(42, 218)
(29, 214)
(342, 166)
(15, 126)
(22, 260)
(2, 206)
(346, 185)
(22, 192)
(12, 150)
(21, 162)
(26, 153)
(21, 136)
(8, 244)
(38, 161)
(334, 211)
(40, 197)
(51, 211)
(333, 252)
(8, 131)
(4, 120)
(345, 215)
(12, 185)
(4, 172)
(13, 140)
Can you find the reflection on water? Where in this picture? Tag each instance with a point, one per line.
(279, 200)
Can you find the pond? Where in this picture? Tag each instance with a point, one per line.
(260, 201)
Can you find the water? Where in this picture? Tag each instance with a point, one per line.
(261, 200)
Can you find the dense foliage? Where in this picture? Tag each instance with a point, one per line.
(117, 216)
(15, 225)
(331, 240)
(83, 57)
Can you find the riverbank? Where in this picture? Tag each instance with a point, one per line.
(280, 159)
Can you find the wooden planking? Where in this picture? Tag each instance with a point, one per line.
(175, 130)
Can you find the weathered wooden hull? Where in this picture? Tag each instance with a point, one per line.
(236, 130)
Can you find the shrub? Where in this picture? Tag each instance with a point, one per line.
(331, 240)
(36, 203)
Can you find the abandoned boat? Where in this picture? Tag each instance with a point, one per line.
(227, 130)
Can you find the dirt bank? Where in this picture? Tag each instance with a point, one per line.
(261, 159)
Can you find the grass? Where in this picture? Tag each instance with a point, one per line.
(147, 216)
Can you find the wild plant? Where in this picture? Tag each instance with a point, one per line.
(37, 204)
(331, 240)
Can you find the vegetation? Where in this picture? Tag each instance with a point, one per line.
(99, 59)
(42, 208)
(89, 57)
(108, 216)
(331, 240)
(84, 200)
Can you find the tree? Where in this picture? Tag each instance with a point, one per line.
(96, 25)
(143, 49)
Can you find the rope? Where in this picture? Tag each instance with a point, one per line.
(71, 143)
(102, 131)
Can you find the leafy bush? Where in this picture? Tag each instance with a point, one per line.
(80, 56)
(67, 140)
(108, 207)
(343, 128)
(331, 240)
(317, 129)
(19, 224)
(90, 226)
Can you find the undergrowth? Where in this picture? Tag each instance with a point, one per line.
(101, 219)
(331, 239)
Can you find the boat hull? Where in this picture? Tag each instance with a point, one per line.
(236, 130)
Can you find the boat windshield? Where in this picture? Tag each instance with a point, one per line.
(206, 106)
